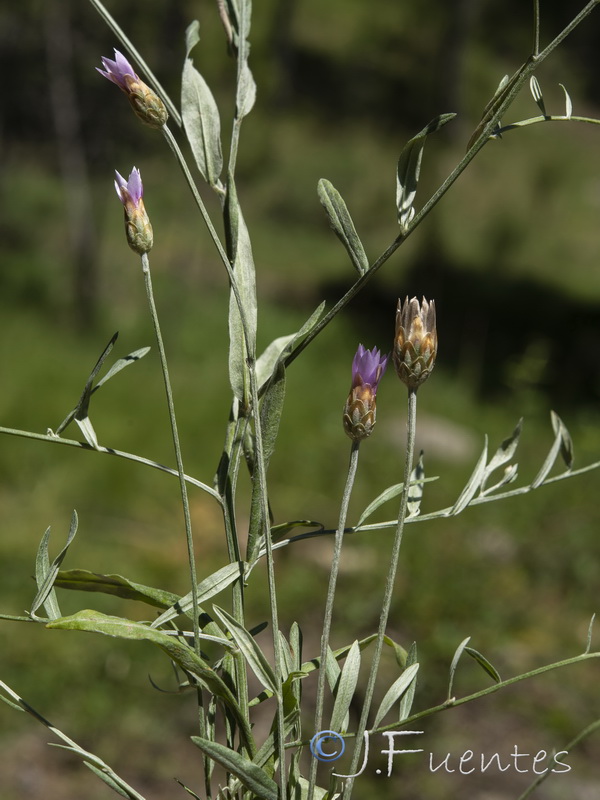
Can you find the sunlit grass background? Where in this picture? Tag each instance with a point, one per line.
(519, 577)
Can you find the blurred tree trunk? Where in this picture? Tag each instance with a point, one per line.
(73, 163)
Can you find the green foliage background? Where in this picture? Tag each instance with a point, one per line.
(511, 257)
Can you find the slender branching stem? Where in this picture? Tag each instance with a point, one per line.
(411, 425)
(536, 27)
(335, 563)
(110, 451)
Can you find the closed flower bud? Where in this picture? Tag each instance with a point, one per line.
(415, 343)
(137, 225)
(146, 104)
(360, 410)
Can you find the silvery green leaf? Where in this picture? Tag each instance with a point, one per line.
(415, 491)
(342, 225)
(409, 169)
(484, 663)
(207, 588)
(246, 92)
(508, 476)
(121, 364)
(251, 651)
(271, 409)
(454, 664)
(503, 454)
(395, 692)
(387, 494)
(245, 279)
(536, 92)
(251, 775)
(87, 429)
(192, 37)
(269, 357)
(46, 573)
(345, 690)
(408, 696)
(490, 109)
(470, 490)
(202, 123)
(568, 103)
(566, 443)
(588, 646)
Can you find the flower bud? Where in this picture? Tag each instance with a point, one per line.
(415, 343)
(146, 103)
(360, 410)
(137, 225)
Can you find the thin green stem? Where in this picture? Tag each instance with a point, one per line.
(411, 425)
(536, 27)
(335, 563)
(515, 86)
(145, 69)
(536, 120)
(184, 495)
(592, 728)
(260, 476)
(52, 438)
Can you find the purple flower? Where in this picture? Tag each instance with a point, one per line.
(130, 191)
(137, 225)
(368, 367)
(146, 104)
(117, 70)
(360, 410)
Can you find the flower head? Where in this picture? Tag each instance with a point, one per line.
(145, 103)
(415, 343)
(137, 225)
(360, 410)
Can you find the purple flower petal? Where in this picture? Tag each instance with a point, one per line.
(368, 367)
(116, 70)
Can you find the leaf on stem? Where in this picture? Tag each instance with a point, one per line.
(346, 686)
(470, 490)
(503, 454)
(568, 103)
(85, 581)
(207, 588)
(342, 225)
(536, 92)
(395, 692)
(409, 169)
(253, 777)
(250, 650)
(408, 696)
(562, 444)
(458, 653)
(415, 490)
(45, 573)
(486, 665)
(202, 123)
(588, 646)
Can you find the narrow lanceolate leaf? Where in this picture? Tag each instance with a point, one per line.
(536, 91)
(42, 569)
(588, 646)
(562, 444)
(271, 410)
(345, 690)
(250, 650)
(492, 107)
(246, 92)
(409, 695)
(253, 777)
(395, 692)
(265, 363)
(181, 654)
(207, 588)
(484, 663)
(46, 573)
(240, 251)
(202, 123)
(342, 225)
(568, 103)
(409, 169)
(131, 358)
(192, 36)
(84, 581)
(387, 494)
(473, 484)
(566, 443)
(415, 491)
(454, 664)
(503, 454)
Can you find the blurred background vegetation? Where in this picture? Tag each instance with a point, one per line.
(511, 257)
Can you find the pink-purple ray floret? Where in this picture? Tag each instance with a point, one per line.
(368, 366)
(116, 70)
(132, 188)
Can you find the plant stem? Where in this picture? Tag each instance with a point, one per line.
(411, 425)
(184, 495)
(536, 27)
(110, 451)
(339, 536)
